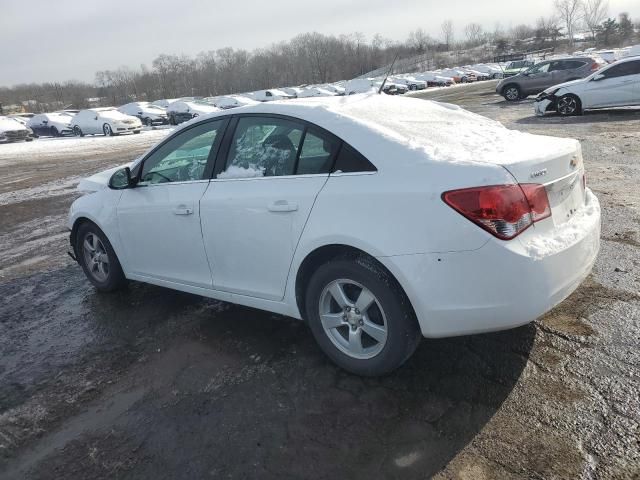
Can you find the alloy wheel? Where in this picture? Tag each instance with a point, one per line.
(567, 106)
(95, 257)
(107, 130)
(353, 319)
(512, 93)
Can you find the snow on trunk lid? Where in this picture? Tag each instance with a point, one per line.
(563, 178)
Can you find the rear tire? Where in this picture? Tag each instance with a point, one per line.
(511, 93)
(98, 259)
(360, 316)
(569, 105)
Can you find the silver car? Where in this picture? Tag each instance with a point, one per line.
(544, 75)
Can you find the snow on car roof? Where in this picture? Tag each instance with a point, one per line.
(388, 128)
(8, 123)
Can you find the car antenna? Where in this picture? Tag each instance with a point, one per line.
(388, 73)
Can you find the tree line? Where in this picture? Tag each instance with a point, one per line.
(312, 58)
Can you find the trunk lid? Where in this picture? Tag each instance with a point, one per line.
(563, 178)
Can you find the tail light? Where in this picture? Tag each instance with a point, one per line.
(505, 211)
(595, 66)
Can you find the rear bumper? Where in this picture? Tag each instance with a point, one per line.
(501, 285)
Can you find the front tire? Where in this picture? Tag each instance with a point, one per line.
(77, 131)
(569, 105)
(54, 132)
(107, 130)
(512, 93)
(360, 317)
(148, 122)
(98, 259)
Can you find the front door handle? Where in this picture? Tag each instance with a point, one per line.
(283, 206)
(182, 210)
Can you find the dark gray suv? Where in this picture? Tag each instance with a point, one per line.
(546, 74)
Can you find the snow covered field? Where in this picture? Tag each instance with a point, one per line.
(89, 145)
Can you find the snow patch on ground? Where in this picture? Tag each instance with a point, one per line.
(566, 234)
(77, 146)
(64, 186)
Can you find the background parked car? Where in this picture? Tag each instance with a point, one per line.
(54, 124)
(359, 85)
(269, 95)
(434, 80)
(104, 121)
(616, 85)
(148, 113)
(12, 130)
(181, 111)
(232, 101)
(411, 82)
(544, 75)
(315, 92)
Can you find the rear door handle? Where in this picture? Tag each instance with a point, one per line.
(283, 206)
(182, 210)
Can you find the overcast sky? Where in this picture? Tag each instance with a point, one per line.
(44, 40)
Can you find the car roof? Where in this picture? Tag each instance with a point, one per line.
(393, 130)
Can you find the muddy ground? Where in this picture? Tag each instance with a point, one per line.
(151, 383)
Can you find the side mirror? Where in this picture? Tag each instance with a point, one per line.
(45, 121)
(121, 179)
(95, 118)
(599, 76)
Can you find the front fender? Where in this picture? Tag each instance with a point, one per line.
(100, 208)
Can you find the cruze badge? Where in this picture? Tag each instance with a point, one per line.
(539, 173)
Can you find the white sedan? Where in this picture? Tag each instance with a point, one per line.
(376, 219)
(104, 121)
(149, 114)
(616, 85)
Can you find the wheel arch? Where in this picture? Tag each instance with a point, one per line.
(77, 223)
(510, 84)
(329, 252)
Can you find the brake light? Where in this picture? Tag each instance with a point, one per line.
(595, 66)
(505, 211)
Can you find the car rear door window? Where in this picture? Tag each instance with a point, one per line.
(350, 160)
(317, 153)
(623, 69)
(184, 157)
(263, 147)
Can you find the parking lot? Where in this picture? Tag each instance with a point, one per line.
(153, 383)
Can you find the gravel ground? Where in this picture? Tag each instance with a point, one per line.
(151, 383)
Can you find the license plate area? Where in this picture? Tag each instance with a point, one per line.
(566, 197)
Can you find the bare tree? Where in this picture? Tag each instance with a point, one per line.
(419, 40)
(570, 13)
(447, 33)
(594, 13)
(473, 32)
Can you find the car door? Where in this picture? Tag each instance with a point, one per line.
(537, 78)
(159, 219)
(612, 87)
(257, 205)
(37, 124)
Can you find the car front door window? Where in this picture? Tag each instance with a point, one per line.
(263, 147)
(184, 157)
